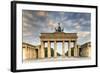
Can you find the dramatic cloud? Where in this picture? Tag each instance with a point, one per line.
(83, 34)
(36, 22)
(41, 13)
(83, 37)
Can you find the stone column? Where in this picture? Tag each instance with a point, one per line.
(30, 51)
(39, 52)
(55, 49)
(49, 50)
(27, 53)
(42, 50)
(75, 49)
(63, 49)
(78, 49)
(69, 48)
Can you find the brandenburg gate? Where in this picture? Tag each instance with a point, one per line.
(58, 36)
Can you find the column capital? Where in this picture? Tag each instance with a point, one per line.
(63, 40)
(42, 41)
(69, 40)
(55, 40)
(48, 40)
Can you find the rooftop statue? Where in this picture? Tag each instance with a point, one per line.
(59, 29)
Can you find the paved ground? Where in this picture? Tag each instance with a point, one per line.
(58, 59)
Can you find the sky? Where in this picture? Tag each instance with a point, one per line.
(36, 22)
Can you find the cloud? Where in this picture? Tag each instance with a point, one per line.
(26, 25)
(27, 14)
(27, 34)
(36, 22)
(83, 37)
(77, 26)
(51, 24)
(41, 13)
(82, 34)
(24, 29)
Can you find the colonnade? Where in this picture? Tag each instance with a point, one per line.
(55, 48)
